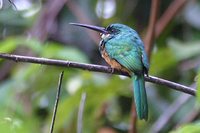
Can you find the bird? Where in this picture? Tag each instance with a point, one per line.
(123, 49)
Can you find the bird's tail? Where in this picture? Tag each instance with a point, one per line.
(140, 96)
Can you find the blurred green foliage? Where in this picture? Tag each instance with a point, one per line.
(190, 128)
(27, 91)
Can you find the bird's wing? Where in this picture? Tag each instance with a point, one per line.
(126, 54)
(144, 59)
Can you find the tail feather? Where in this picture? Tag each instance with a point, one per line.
(140, 96)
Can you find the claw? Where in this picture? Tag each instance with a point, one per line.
(112, 70)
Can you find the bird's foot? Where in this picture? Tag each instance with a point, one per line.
(112, 70)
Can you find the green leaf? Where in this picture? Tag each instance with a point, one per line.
(162, 60)
(184, 50)
(10, 124)
(48, 50)
(10, 44)
(97, 96)
(56, 50)
(189, 128)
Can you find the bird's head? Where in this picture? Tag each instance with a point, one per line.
(109, 31)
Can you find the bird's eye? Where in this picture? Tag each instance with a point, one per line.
(112, 30)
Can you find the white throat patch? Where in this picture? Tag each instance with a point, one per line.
(104, 36)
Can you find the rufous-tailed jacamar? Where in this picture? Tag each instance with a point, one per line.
(123, 49)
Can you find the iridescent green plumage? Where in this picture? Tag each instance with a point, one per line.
(122, 45)
(125, 46)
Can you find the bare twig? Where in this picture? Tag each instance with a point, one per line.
(80, 113)
(56, 101)
(169, 113)
(96, 68)
(46, 21)
(149, 38)
(82, 17)
(13, 4)
(168, 15)
(133, 127)
(191, 116)
(173, 85)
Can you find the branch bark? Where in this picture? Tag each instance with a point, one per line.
(82, 17)
(168, 114)
(168, 15)
(133, 122)
(47, 19)
(80, 113)
(149, 38)
(95, 68)
(56, 102)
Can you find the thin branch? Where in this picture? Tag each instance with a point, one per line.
(133, 127)
(168, 15)
(172, 85)
(46, 21)
(80, 113)
(82, 17)
(169, 113)
(191, 116)
(96, 68)
(13, 4)
(56, 101)
(149, 38)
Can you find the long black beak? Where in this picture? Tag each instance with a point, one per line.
(96, 28)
